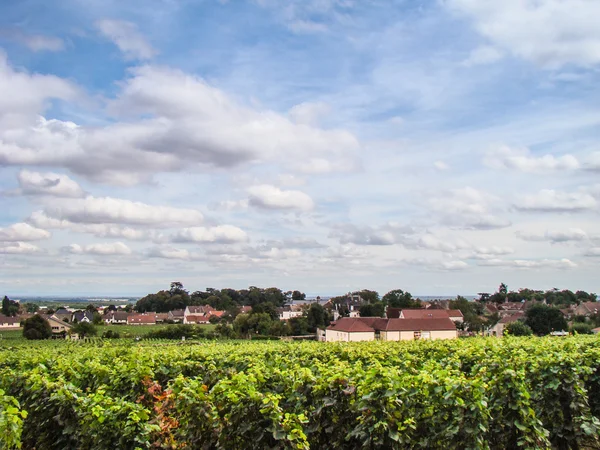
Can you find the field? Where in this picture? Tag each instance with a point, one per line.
(463, 394)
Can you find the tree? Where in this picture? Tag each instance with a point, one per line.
(543, 319)
(97, 320)
(266, 308)
(84, 329)
(32, 307)
(316, 317)
(91, 308)
(9, 307)
(581, 328)
(517, 328)
(369, 296)
(372, 310)
(297, 295)
(37, 328)
(298, 326)
(400, 299)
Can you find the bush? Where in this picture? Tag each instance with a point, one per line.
(581, 328)
(36, 328)
(176, 332)
(517, 328)
(84, 329)
(110, 334)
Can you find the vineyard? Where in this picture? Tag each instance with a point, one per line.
(463, 394)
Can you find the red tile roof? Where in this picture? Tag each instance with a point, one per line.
(351, 325)
(512, 318)
(141, 318)
(425, 314)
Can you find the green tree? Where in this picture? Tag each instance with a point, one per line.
(84, 329)
(36, 328)
(97, 320)
(517, 328)
(317, 316)
(9, 307)
(369, 296)
(266, 308)
(372, 310)
(298, 326)
(32, 307)
(581, 328)
(400, 299)
(297, 295)
(543, 319)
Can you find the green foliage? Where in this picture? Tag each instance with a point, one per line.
(110, 334)
(32, 307)
(400, 299)
(36, 328)
(517, 328)
(84, 329)
(581, 328)
(369, 296)
(536, 393)
(177, 332)
(372, 310)
(9, 307)
(317, 317)
(543, 319)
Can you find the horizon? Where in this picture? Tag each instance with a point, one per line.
(443, 146)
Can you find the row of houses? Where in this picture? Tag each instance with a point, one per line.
(353, 329)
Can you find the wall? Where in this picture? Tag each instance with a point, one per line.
(444, 334)
(365, 336)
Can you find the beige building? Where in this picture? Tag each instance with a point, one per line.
(58, 326)
(374, 328)
(498, 329)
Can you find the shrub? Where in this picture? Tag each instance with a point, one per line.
(37, 328)
(581, 328)
(517, 328)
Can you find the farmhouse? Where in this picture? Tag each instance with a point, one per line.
(141, 319)
(289, 312)
(401, 329)
(498, 329)
(116, 317)
(176, 315)
(588, 309)
(453, 314)
(59, 327)
(9, 322)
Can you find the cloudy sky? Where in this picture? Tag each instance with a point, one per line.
(437, 146)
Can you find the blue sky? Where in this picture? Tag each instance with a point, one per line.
(322, 145)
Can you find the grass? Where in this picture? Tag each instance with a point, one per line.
(126, 331)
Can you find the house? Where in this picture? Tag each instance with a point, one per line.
(245, 309)
(511, 306)
(62, 314)
(349, 329)
(453, 314)
(59, 327)
(588, 309)
(596, 330)
(83, 316)
(176, 315)
(7, 322)
(162, 317)
(200, 314)
(141, 319)
(116, 318)
(498, 329)
(288, 312)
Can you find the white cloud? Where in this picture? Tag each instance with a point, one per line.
(490, 252)
(309, 113)
(563, 263)
(522, 160)
(169, 253)
(103, 249)
(24, 96)
(49, 184)
(22, 232)
(17, 248)
(179, 122)
(441, 165)
(114, 210)
(551, 33)
(549, 200)
(222, 234)
(388, 234)
(483, 55)
(265, 196)
(35, 42)
(437, 264)
(126, 36)
(592, 162)
(467, 208)
(555, 236)
(594, 251)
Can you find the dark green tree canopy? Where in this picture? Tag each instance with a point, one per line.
(84, 329)
(9, 307)
(400, 299)
(543, 319)
(517, 328)
(37, 328)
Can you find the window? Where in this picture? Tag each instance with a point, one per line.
(417, 335)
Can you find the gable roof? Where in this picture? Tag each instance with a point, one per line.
(351, 325)
(455, 313)
(512, 317)
(141, 318)
(425, 314)
(592, 307)
(177, 313)
(10, 321)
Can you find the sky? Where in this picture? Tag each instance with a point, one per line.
(440, 147)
